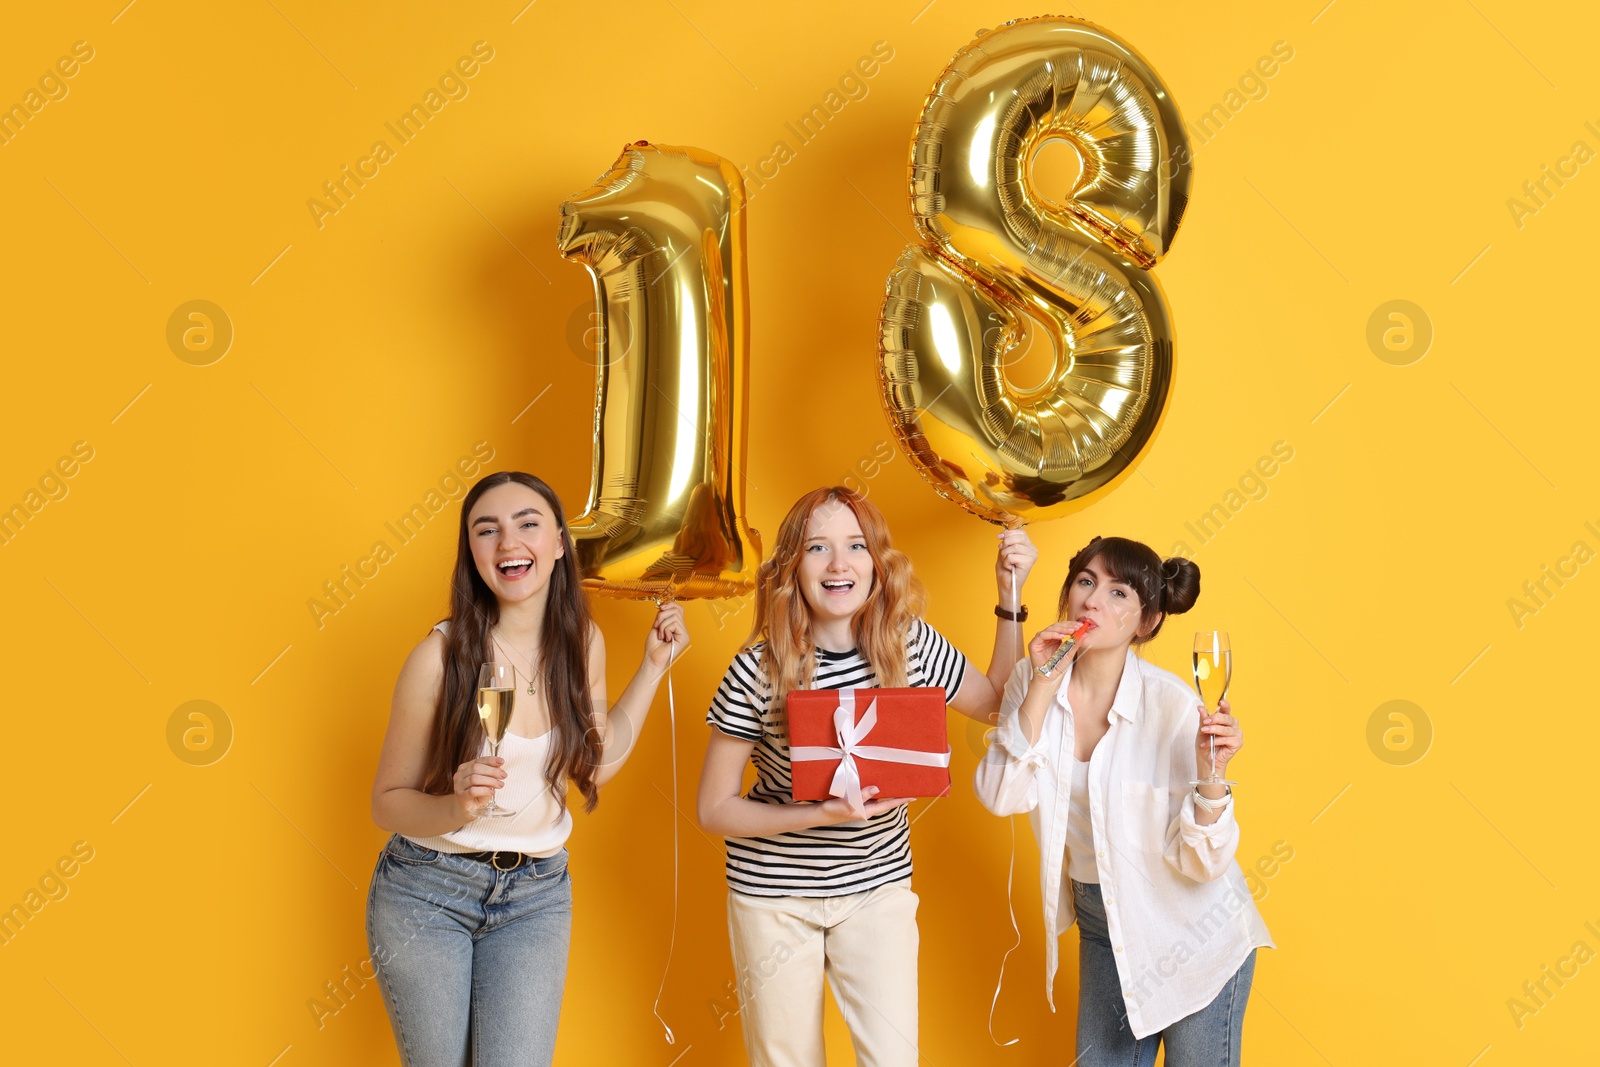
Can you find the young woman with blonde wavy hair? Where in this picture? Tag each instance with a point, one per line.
(824, 889)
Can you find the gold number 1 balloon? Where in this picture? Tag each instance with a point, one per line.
(1001, 258)
(662, 234)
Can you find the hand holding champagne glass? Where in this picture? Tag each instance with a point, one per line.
(1213, 671)
(497, 692)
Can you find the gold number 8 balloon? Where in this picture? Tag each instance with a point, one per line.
(662, 234)
(1000, 257)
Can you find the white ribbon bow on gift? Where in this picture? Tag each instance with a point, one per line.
(847, 779)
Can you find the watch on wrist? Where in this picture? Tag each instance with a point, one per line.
(1020, 615)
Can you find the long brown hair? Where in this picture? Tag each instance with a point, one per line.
(783, 619)
(563, 653)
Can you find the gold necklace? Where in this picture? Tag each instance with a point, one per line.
(531, 672)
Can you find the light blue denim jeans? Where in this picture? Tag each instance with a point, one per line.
(471, 960)
(1208, 1038)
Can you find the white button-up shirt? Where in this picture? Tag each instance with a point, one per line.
(1178, 909)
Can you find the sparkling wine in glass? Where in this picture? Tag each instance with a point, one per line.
(1213, 670)
(497, 691)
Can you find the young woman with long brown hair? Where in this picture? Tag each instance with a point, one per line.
(824, 889)
(469, 917)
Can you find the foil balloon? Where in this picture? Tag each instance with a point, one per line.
(662, 234)
(1002, 263)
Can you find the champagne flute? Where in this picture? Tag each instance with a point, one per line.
(497, 692)
(1213, 671)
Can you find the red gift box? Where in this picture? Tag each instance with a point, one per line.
(843, 740)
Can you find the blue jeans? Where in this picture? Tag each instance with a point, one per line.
(471, 960)
(1208, 1038)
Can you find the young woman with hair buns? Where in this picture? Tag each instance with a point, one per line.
(1100, 753)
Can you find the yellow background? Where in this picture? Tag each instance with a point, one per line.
(429, 312)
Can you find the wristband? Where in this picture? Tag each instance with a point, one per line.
(1021, 615)
(1210, 805)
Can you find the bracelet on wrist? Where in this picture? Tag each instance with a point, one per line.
(1207, 804)
(1020, 615)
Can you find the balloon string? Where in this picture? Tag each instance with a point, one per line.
(1011, 867)
(672, 722)
(1019, 607)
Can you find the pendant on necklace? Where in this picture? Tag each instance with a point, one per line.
(530, 689)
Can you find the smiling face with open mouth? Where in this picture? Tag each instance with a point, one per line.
(836, 570)
(515, 540)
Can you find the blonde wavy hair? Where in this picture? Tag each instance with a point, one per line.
(783, 618)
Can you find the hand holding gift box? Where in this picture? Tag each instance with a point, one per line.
(844, 740)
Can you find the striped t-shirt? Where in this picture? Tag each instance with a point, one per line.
(823, 861)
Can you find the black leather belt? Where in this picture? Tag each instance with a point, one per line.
(495, 859)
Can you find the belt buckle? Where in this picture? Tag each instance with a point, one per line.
(494, 861)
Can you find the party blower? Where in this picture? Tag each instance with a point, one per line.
(1067, 645)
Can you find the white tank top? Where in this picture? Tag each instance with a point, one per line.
(1081, 865)
(540, 826)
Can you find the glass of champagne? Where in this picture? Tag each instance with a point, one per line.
(497, 691)
(1213, 670)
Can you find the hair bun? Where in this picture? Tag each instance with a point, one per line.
(1180, 585)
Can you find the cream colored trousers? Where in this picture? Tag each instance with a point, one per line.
(866, 946)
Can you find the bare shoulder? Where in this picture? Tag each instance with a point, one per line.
(423, 671)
